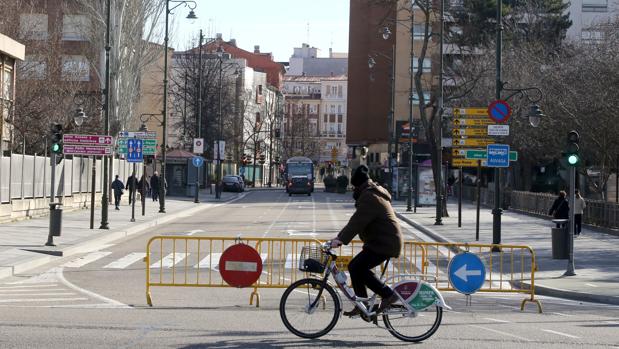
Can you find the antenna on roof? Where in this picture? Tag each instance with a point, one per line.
(308, 33)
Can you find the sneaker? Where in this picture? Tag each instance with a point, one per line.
(117, 208)
(386, 302)
(354, 312)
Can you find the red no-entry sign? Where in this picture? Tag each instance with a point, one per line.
(240, 265)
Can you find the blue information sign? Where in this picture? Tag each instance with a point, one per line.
(135, 150)
(467, 273)
(197, 161)
(497, 155)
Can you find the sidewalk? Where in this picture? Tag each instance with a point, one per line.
(22, 243)
(595, 253)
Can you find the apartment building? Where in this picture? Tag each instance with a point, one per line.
(585, 14)
(11, 52)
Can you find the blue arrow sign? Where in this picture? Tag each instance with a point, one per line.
(467, 273)
(135, 150)
(197, 161)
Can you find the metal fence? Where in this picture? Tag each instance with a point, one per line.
(29, 176)
(598, 213)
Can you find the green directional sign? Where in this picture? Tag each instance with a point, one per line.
(150, 146)
(481, 154)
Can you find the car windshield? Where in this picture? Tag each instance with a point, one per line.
(230, 179)
(299, 169)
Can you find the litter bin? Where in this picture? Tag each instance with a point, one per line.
(560, 242)
(55, 219)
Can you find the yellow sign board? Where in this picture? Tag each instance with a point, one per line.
(469, 132)
(461, 152)
(473, 122)
(471, 111)
(473, 142)
(466, 163)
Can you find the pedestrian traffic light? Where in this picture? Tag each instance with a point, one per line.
(56, 138)
(572, 150)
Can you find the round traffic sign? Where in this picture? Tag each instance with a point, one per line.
(499, 111)
(467, 273)
(197, 161)
(240, 265)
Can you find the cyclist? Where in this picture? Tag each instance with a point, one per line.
(376, 223)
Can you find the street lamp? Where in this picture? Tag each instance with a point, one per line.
(192, 6)
(106, 122)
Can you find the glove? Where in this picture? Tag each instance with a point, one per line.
(336, 243)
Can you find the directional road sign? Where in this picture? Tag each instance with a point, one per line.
(197, 161)
(474, 142)
(498, 155)
(470, 111)
(150, 146)
(472, 122)
(481, 154)
(137, 134)
(76, 149)
(87, 139)
(499, 111)
(459, 162)
(469, 132)
(467, 273)
(134, 150)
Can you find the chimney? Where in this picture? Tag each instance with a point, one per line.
(256, 48)
(218, 36)
(232, 42)
(330, 52)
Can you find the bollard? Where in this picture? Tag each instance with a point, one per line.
(55, 223)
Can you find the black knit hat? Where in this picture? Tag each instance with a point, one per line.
(360, 176)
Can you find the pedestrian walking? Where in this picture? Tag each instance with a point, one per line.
(154, 184)
(579, 209)
(560, 208)
(117, 186)
(143, 187)
(132, 184)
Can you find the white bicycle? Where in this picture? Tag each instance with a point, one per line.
(311, 307)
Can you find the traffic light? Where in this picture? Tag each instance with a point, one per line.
(571, 151)
(56, 138)
(262, 158)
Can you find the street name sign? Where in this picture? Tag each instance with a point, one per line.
(472, 122)
(137, 134)
(498, 130)
(470, 111)
(474, 142)
(498, 155)
(90, 150)
(87, 139)
(467, 273)
(134, 150)
(459, 162)
(469, 132)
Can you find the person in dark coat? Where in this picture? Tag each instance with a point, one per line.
(143, 187)
(377, 225)
(154, 185)
(117, 186)
(132, 184)
(560, 207)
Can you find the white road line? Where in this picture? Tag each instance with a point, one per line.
(495, 320)
(3, 292)
(562, 314)
(169, 260)
(313, 215)
(126, 261)
(23, 300)
(89, 258)
(277, 218)
(209, 262)
(291, 261)
(561, 334)
(612, 322)
(41, 294)
(332, 215)
(501, 332)
(591, 285)
(28, 286)
(106, 300)
(191, 232)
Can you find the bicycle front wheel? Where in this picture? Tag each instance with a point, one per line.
(413, 328)
(309, 309)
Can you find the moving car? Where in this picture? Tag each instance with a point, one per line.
(233, 183)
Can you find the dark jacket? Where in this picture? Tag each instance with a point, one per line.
(374, 220)
(560, 208)
(132, 183)
(118, 186)
(143, 183)
(154, 182)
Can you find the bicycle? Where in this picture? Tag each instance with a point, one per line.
(413, 318)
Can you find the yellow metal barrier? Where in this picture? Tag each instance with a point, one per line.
(193, 261)
(505, 269)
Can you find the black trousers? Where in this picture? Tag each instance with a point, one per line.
(131, 196)
(117, 199)
(361, 274)
(577, 223)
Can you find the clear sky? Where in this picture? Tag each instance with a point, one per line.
(278, 26)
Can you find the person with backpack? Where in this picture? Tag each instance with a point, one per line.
(560, 208)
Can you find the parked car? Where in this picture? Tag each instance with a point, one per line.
(233, 183)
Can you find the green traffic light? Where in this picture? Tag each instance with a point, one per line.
(572, 159)
(56, 147)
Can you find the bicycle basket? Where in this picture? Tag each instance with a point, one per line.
(312, 259)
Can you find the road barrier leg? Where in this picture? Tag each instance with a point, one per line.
(257, 295)
(532, 300)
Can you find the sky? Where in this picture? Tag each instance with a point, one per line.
(278, 26)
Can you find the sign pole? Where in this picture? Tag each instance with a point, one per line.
(195, 198)
(143, 188)
(132, 193)
(460, 200)
(52, 197)
(92, 192)
(570, 263)
(478, 199)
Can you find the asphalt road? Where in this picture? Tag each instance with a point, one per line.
(97, 300)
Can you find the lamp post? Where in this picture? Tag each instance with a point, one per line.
(196, 198)
(106, 122)
(79, 119)
(221, 129)
(192, 5)
(440, 195)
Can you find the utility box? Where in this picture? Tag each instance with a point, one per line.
(560, 239)
(55, 219)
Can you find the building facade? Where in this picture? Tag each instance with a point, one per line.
(586, 14)
(11, 52)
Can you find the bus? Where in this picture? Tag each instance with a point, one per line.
(299, 175)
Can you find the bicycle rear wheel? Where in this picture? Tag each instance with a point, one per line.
(306, 311)
(413, 328)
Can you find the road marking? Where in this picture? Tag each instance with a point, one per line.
(3, 292)
(23, 300)
(82, 261)
(612, 322)
(106, 300)
(291, 261)
(591, 285)
(562, 314)
(332, 215)
(169, 260)
(277, 218)
(209, 262)
(561, 334)
(126, 261)
(191, 232)
(501, 332)
(495, 320)
(28, 286)
(41, 294)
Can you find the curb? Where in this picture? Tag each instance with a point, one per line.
(103, 238)
(566, 294)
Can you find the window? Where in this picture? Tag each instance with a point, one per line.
(332, 109)
(34, 68)
(339, 109)
(75, 68)
(258, 118)
(426, 97)
(427, 64)
(339, 118)
(313, 108)
(325, 118)
(332, 118)
(592, 36)
(339, 91)
(594, 5)
(419, 31)
(33, 26)
(7, 83)
(74, 27)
